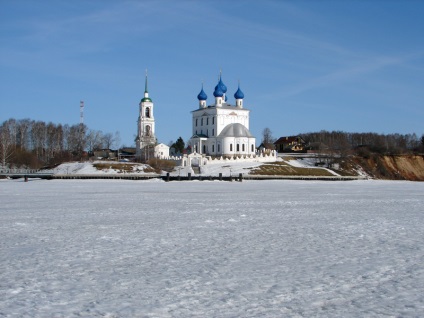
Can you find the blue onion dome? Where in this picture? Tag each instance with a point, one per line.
(218, 92)
(202, 95)
(221, 85)
(239, 94)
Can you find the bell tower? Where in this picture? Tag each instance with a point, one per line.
(146, 140)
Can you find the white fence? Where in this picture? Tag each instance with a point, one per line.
(201, 160)
(6, 171)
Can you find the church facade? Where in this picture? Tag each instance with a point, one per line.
(221, 129)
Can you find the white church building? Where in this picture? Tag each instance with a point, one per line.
(221, 129)
(146, 143)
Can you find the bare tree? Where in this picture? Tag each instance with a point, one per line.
(108, 140)
(59, 138)
(51, 141)
(267, 138)
(422, 143)
(117, 139)
(13, 129)
(24, 126)
(94, 140)
(38, 138)
(77, 139)
(6, 143)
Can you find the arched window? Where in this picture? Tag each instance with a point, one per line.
(213, 148)
(213, 132)
(213, 120)
(242, 147)
(147, 112)
(252, 147)
(201, 122)
(238, 147)
(204, 148)
(219, 147)
(147, 130)
(231, 147)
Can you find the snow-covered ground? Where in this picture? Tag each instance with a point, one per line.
(212, 168)
(123, 248)
(230, 168)
(88, 167)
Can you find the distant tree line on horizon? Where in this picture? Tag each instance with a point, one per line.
(344, 143)
(34, 144)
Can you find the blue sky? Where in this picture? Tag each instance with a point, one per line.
(356, 66)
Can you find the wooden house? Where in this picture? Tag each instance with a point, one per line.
(290, 144)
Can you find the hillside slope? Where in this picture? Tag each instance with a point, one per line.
(402, 167)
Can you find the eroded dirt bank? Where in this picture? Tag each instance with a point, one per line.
(401, 167)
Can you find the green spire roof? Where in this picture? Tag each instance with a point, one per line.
(146, 97)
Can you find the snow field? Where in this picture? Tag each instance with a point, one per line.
(211, 249)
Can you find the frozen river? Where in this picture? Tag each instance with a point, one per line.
(211, 249)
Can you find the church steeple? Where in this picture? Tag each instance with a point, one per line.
(146, 125)
(146, 93)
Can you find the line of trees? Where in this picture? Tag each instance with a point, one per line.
(33, 143)
(343, 142)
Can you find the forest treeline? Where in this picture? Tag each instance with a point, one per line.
(344, 143)
(34, 144)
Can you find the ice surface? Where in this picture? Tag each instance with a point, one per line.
(121, 248)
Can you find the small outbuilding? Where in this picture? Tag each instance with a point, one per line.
(161, 151)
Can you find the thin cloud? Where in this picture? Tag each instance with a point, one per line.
(346, 74)
(96, 30)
